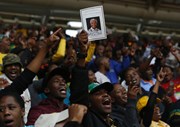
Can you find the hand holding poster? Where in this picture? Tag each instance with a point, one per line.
(94, 23)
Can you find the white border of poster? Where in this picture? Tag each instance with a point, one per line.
(96, 13)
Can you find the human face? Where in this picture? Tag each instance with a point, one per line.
(101, 102)
(119, 94)
(32, 42)
(156, 114)
(148, 74)
(6, 41)
(56, 87)
(100, 50)
(91, 76)
(11, 114)
(106, 63)
(12, 71)
(93, 23)
(132, 77)
(108, 52)
(169, 74)
(118, 54)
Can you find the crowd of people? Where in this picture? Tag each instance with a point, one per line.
(50, 79)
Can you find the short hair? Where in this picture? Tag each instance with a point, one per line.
(98, 60)
(93, 20)
(127, 70)
(15, 95)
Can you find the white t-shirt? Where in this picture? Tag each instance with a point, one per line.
(94, 32)
(101, 78)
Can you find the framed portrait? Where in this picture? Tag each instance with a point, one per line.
(93, 22)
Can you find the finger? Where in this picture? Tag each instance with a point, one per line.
(56, 32)
(54, 38)
(137, 91)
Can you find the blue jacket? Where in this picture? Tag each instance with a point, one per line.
(116, 68)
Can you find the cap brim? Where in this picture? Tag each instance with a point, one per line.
(107, 86)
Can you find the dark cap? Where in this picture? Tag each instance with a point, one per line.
(94, 87)
(11, 59)
(64, 72)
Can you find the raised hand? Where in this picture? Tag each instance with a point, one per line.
(83, 41)
(156, 53)
(77, 112)
(3, 83)
(49, 42)
(176, 53)
(161, 75)
(133, 91)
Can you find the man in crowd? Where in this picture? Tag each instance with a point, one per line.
(94, 30)
(95, 96)
(54, 86)
(124, 105)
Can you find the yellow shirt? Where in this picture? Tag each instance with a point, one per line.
(1, 57)
(90, 52)
(60, 53)
(159, 124)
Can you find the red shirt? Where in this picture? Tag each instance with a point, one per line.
(47, 106)
(175, 83)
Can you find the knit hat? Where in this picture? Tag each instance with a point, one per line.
(11, 59)
(94, 87)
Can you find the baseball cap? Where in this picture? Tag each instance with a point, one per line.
(11, 59)
(64, 72)
(94, 87)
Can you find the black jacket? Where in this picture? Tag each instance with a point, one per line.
(126, 116)
(79, 95)
(21, 82)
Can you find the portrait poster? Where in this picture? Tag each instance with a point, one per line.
(93, 22)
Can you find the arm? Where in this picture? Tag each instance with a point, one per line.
(26, 77)
(155, 53)
(175, 53)
(131, 112)
(119, 67)
(79, 86)
(79, 79)
(149, 109)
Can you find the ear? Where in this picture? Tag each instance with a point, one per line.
(46, 90)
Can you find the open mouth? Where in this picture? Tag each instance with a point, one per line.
(13, 73)
(124, 96)
(133, 82)
(107, 102)
(63, 90)
(8, 122)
